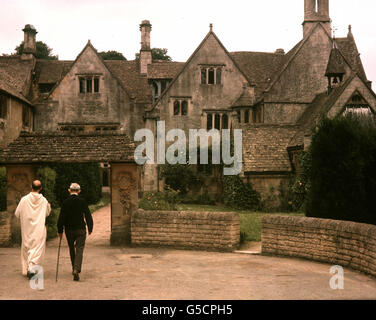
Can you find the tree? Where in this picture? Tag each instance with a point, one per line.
(43, 51)
(158, 54)
(343, 171)
(112, 55)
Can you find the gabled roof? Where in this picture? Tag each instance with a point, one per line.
(319, 107)
(88, 45)
(348, 48)
(39, 147)
(164, 70)
(293, 53)
(6, 86)
(16, 75)
(336, 64)
(51, 71)
(128, 74)
(265, 148)
(259, 67)
(210, 33)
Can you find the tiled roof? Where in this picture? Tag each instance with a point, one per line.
(244, 100)
(164, 70)
(129, 75)
(51, 71)
(336, 64)
(6, 82)
(259, 67)
(265, 147)
(68, 147)
(318, 108)
(19, 73)
(349, 50)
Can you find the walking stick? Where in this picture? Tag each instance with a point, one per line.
(58, 256)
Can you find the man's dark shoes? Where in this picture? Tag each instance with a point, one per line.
(76, 277)
(30, 274)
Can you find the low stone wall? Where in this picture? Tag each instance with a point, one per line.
(344, 243)
(5, 229)
(219, 231)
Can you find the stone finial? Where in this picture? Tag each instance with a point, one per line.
(350, 35)
(211, 27)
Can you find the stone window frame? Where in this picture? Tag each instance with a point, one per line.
(26, 116)
(214, 119)
(249, 115)
(89, 83)
(211, 74)
(358, 106)
(3, 106)
(181, 106)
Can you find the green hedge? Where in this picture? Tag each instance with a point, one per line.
(48, 178)
(240, 195)
(167, 200)
(87, 175)
(343, 172)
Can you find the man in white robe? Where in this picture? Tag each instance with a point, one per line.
(32, 211)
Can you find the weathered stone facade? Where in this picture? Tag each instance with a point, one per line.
(344, 243)
(276, 98)
(187, 229)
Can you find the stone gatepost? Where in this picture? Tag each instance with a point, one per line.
(19, 180)
(124, 201)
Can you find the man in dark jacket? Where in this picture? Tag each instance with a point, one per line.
(73, 214)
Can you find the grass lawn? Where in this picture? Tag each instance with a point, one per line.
(250, 221)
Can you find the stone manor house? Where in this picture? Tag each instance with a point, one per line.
(277, 98)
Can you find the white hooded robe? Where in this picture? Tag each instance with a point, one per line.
(32, 211)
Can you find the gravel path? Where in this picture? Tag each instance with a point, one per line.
(146, 273)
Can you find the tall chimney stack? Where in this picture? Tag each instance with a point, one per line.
(145, 52)
(30, 47)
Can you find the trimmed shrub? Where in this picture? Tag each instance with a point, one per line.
(293, 197)
(48, 178)
(167, 200)
(3, 189)
(240, 195)
(343, 173)
(179, 177)
(87, 175)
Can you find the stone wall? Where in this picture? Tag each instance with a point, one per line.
(218, 231)
(5, 229)
(11, 127)
(344, 243)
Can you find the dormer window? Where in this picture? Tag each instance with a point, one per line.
(89, 84)
(211, 75)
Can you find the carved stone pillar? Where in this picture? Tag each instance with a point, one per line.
(19, 180)
(124, 201)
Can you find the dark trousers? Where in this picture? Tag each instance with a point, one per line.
(76, 242)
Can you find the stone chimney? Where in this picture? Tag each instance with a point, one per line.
(30, 48)
(145, 52)
(280, 51)
(316, 11)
